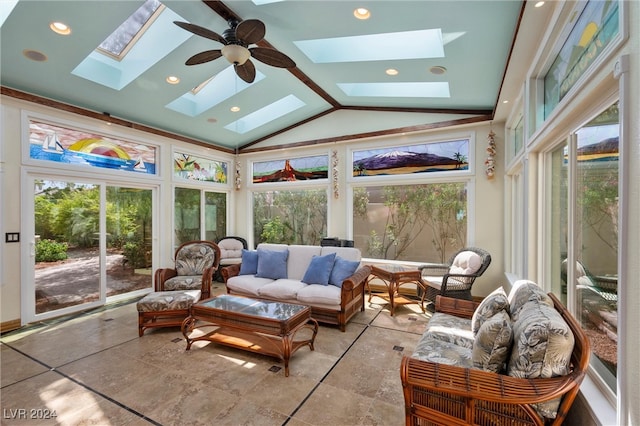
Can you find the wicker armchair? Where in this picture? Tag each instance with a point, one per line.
(230, 252)
(454, 278)
(196, 262)
(439, 394)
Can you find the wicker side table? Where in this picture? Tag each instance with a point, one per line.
(394, 277)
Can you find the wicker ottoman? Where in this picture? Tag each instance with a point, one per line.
(165, 308)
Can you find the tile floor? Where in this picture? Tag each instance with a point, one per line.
(93, 369)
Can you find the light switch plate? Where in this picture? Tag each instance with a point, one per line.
(12, 237)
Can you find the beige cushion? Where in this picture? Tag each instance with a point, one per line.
(281, 289)
(318, 294)
(452, 283)
(495, 302)
(347, 253)
(492, 345)
(299, 260)
(230, 248)
(466, 262)
(247, 284)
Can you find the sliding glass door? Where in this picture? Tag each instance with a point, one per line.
(87, 242)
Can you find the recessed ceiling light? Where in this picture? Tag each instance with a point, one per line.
(172, 79)
(392, 71)
(438, 70)
(505, 102)
(60, 28)
(362, 13)
(539, 4)
(34, 55)
(235, 109)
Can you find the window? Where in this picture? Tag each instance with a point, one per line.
(410, 222)
(80, 148)
(583, 232)
(190, 167)
(290, 217)
(199, 215)
(594, 30)
(121, 40)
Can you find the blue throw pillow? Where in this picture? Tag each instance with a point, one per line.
(272, 264)
(319, 269)
(342, 269)
(249, 265)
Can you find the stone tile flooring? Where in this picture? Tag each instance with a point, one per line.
(93, 369)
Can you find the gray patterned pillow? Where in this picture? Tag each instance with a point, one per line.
(448, 328)
(441, 352)
(542, 348)
(492, 345)
(492, 304)
(524, 291)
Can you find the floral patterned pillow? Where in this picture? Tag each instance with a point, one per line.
(492, 345)
(524, 291)
(542, 347)
(492, 304)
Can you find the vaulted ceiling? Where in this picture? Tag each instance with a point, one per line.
(451, 59)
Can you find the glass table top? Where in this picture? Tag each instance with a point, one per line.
(390, 267)
(258, 308)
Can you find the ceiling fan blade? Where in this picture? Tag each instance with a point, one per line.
(201, 31)
(246, 71)
(202, 57)
(272, 57)
(250, 31)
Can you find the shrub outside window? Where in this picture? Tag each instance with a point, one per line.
(290, 217)
(410, 222)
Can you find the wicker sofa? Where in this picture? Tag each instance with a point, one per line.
(333, 303)
(526, 370)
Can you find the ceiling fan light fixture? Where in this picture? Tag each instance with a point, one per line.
(236, 54)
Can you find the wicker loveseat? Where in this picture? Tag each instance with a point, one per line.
(334, 302)
(526, 371)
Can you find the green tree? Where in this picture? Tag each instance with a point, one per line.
(290, 217)
(76, 214)
(410, 210)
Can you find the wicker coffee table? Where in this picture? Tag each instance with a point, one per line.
(260, 326)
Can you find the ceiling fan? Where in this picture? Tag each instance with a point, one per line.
(236, 40)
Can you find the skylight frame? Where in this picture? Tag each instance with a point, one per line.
(136, 37)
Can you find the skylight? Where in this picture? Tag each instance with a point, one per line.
(397, 90)
(122, 39)
(266, 114)
(154, 44)
(219, 88)
(375, 47)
